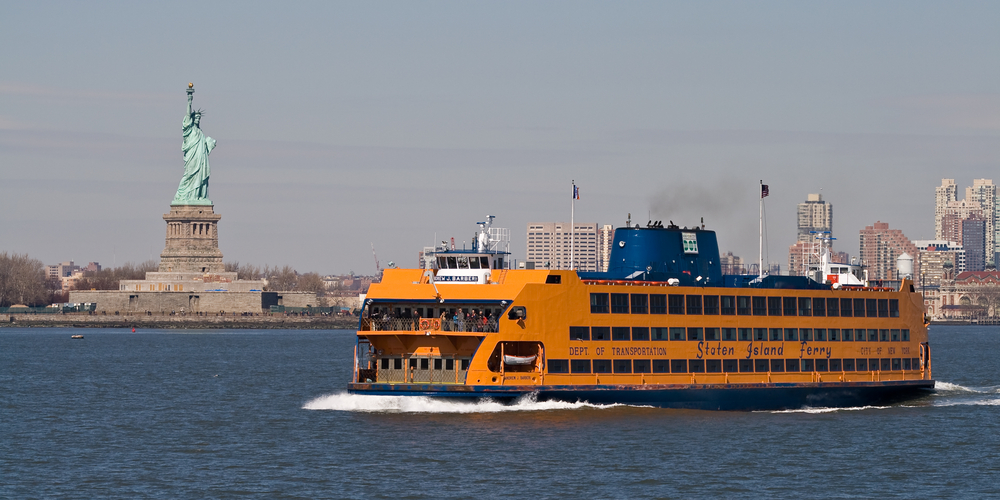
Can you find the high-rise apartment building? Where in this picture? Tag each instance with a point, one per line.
(814, 215)
(946, 193)
(974, 243)
(549, 245)
(605, 238)
(980, 199)
(984, 193)
(881, 246)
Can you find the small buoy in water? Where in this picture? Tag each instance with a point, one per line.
(133, 329)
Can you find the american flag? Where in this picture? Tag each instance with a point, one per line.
(763, 191)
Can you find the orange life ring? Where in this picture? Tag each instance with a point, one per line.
(425, 324)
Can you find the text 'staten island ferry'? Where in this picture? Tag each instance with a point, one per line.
(662, 327)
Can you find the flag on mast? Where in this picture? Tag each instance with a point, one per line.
(763, 191)
(576, 192)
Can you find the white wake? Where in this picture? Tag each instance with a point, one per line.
(419, 404)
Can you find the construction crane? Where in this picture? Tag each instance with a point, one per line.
(377, 267)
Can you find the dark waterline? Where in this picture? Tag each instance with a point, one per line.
(223, 414)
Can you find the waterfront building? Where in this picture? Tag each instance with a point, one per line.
(939, 262)
(881, 246)
(972, 294)
(62, 270)
(974, 241)
(549, 245)
(980, 199)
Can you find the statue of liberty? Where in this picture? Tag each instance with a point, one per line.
(193, 189)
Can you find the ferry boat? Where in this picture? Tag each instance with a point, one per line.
(661, 327)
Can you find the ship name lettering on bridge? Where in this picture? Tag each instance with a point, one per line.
(763, 350)
(577, 351)
(808, 350)
(704, 348)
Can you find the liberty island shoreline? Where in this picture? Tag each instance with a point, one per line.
(180, 322)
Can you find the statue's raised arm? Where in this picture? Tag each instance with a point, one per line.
(193, 189)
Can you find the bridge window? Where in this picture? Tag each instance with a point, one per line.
(820, 334)
(861, 364)
(579, 333)
(728, 334)
(711, 334)
(775, 334)
(805, 334)
(640, 333)
(883, 364)
(896, 364)
(711, 304)
(693, 304)
(906, 364)
(743, 306)
(778, 365)
(905, 334)
(789, 306)
(746, 333)
(678, 366)
(805, 306)
(677, 333)
(598, 303)
(659, 333)
(558, 366)
(835, 365)
(746, 365)
(600, 333)
(760, 334)
(883, 308)
(850, 365)
(847, 335)
(728, 305)
(661, 366)
(833, 307)
(893, 308)
(579, 365)
(773, 306)
(640, 366)
(639, 303)
(619, 303)
(883, 335)
(602, 366)
(807, 365)
(621, 333)
(696, 365)
(834, 334)
(822, 365)
(792, 365)
(623, 366)
(713, 365)
(819, 307)
(872, 335)
(695, 334)
(658, 304)
(761, 365)
(871, 307)
(791, 334)
(845, 308)
(676, 303)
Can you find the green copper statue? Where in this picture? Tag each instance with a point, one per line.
(193, 189)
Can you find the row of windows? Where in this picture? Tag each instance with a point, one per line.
(739, 334)
(423, 363)
(641, 303)
(730, 365)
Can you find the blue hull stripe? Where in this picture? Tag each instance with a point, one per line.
(692, 396)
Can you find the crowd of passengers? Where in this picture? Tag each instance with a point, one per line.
(473, 320)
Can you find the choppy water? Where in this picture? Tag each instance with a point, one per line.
(262, 414)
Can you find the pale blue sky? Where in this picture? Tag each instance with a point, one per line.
(345, 124)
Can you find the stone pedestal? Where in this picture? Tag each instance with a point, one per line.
(192, 240)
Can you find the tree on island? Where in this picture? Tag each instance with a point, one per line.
(22, 281)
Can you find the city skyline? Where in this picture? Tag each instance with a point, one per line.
(340, 126)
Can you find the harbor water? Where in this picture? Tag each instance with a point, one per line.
(263, 414)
